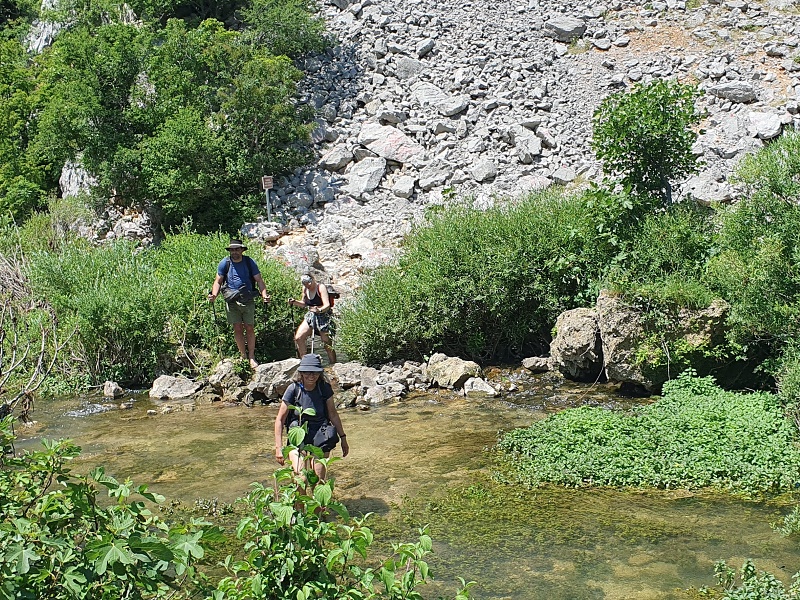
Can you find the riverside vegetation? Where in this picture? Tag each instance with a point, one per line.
(61, 539)
(480, 284)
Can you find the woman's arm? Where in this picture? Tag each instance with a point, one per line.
(280, 419)
(333, 415)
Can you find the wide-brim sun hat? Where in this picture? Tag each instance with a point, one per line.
(235, 245)
(310, 363)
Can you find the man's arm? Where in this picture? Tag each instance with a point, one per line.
(262, 287)
(215, 288)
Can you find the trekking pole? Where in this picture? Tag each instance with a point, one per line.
(216, 326)
(313, 330)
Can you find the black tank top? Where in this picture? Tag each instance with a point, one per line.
(315, 301)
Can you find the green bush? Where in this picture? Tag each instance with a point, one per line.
(697, 435)
(480, 284)
(666, 258)
(645, 136)
(125, 302)
(59, 539)
(753, 584)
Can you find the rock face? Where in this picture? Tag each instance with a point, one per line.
(419, 101)
(615, 338)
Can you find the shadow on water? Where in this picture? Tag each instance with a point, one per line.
(424, 461)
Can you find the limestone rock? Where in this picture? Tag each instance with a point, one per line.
(576, 350)
(450, 372)
(168, 387)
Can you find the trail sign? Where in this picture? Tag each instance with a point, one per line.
(266, 182)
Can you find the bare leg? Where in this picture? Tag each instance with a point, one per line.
(310, 463)
(301, 337)
(250, 331)
(326, 341)
(238, 335)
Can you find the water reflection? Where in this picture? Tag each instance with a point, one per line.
(426, 455)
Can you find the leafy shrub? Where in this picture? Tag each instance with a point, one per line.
(127, 302)
(285, 27)
(757, 269)
(645, 136)
(482, 284)
(697, 435)
(666, 258)
(58, 539)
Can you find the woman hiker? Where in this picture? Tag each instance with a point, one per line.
(318, 318)
(310, 389)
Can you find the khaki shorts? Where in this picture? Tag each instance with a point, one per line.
(241, 313)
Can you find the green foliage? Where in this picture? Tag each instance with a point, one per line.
(753, 584)
(180, 115)
(645, 136)
(697, 435)
(480, 284)
(301, 543)
(773, 171)
(285, 27)
(58, 539)
(667, 256)
(124, 301)
(21, 179)
(757, 269)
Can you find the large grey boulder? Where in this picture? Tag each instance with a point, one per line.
(450, 371)
(631, 352)
(272, 379)
(169, 387)
(576, 350)
(564, 29)
(348, 374)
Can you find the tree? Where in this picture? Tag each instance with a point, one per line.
(645, 137)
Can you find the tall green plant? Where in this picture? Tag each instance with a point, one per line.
(645, 136)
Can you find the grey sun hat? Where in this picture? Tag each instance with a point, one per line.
(306, 278)
(235, 244)
(310, 363)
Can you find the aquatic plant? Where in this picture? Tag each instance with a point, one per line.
(696, 435)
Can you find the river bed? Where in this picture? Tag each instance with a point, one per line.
(425, 460)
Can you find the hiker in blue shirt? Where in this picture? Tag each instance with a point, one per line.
(237, 278)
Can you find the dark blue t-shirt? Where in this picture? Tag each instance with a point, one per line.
(316, 399)
(239, 275)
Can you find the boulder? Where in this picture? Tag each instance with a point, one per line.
(348, 374)
(477, 387)
(168, 387)
(272, 379)
(111, 389)
(450, 372)
(537, 364)
(576, 350)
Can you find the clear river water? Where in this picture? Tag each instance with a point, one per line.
(427, 460)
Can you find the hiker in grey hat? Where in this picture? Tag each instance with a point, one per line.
(237, 278)
(310, 389)
(316, 298)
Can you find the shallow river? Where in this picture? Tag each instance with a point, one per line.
(425, 461)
